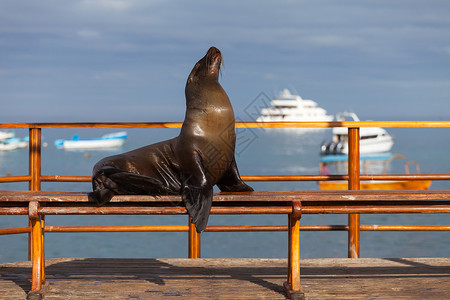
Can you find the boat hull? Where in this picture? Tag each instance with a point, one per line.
(13, 143)
(6, 147)
(112, 140)
(270, 118)
(379, 145)
(383, 144)
(378, 185)
(93, 144)
(6, 135)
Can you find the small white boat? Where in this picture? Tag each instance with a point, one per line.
(5, 146)
(8, 141)
(6, 135)
(112, 140)
(371, 139)
(287, 107)
(13, 143)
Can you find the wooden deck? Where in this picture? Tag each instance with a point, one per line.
(365, 278)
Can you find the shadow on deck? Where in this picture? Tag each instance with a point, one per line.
(72, 278)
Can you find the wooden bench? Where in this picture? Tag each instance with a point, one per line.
(292, 203)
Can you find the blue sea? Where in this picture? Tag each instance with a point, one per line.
(258, 151)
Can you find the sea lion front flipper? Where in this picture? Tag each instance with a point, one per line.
(196, 192)
(198, 203)
(231, 180)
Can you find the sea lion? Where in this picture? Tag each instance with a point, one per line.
(188, 165)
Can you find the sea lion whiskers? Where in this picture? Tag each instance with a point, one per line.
(222, 66)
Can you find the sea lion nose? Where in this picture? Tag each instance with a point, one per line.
(213, 58)
(213, 50)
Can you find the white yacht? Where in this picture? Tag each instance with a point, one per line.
(371, 139)
(287, 107)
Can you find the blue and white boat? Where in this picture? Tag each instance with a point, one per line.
(8, 141)
(112, 140)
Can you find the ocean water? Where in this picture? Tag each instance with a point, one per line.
(258, 152)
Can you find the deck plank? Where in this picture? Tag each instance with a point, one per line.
(341, 278)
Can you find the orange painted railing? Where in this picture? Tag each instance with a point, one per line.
(34, 177)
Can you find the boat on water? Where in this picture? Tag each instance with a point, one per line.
(287, 107)
(112, 140)
(371, 139)
(374, 163)
(378, 185)
(8, 141)
(6, 135)
(13, 143)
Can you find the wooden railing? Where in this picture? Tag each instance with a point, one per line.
(34, 177)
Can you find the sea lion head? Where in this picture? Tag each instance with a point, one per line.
(207, 68)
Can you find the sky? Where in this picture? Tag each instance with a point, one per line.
(128, 60)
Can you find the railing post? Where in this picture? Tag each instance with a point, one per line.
(194, 241)
(34, 170)
(35, 159)
(37, 278)
(353, 184)
(292, 286)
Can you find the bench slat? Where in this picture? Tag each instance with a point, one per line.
(277, 196)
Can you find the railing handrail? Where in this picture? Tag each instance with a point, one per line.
(348, 124)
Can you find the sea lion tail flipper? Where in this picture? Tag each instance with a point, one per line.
(231, 180)
(136, 184)
(102, 187)
(109, 181)
(198, 203)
